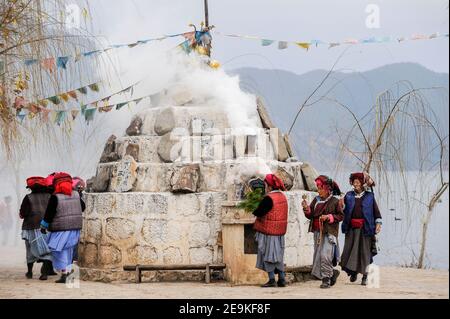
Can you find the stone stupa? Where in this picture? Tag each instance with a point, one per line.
(162, 192)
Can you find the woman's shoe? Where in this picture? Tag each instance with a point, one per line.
(270, 284)
(281, 283)
(43, 277)
(333, 279)
(353, 278)
(325, 283)
(364, 280)
(62, 280)
(29, 273)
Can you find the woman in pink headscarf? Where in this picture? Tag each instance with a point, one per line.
(325, 213)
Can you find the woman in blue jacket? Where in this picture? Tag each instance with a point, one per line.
(362, 221)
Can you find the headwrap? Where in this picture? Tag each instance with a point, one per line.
(78, 184)
(327, 183)
(62, 183)
(49, 179)
(275, 182)
(36, 182)
(363, 177)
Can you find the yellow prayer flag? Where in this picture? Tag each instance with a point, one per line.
(304, 45)
(65, 97)
(85, 13)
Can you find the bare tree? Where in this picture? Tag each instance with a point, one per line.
(401, 131)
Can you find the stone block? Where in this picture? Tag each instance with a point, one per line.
(123, 175)
(119, 228)
(310, 175)
(185, 179)
(135, 127)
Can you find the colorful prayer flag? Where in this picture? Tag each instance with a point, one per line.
(64, 96)
(94, 87)
(83, 90)
(30, 62)
(60, 117)
(73, 95)
(55, 100)
(282, 45)
(62, 62)
(89, 114)
(304, 45)
(49, 64)
(266, 43)
(74, 114)
(120, 105)
(333, 44)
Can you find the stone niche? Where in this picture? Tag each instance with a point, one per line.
(165, 193)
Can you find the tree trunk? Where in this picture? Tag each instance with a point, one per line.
(424, 238)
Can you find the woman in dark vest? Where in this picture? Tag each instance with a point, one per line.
(63, 218)
(361, 223)
(32, 211)
(270, 227)
(325, 213)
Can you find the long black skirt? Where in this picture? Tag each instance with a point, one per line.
(357, 254)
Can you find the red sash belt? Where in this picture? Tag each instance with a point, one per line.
(357, 222)
(316, 224)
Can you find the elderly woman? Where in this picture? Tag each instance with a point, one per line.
(361, 222)
(325, 213)
(32, 211)
(63, 217)
(270, 227)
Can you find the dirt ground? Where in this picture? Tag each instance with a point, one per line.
(395, 283)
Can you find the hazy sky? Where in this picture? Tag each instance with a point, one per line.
(292, 20)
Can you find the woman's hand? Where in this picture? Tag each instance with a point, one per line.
(378, 229)
(304, 205)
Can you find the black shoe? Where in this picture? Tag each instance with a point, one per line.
(62, 280)
(281, 283)
(270, 284)
(29, 273)
(325, 283)
(353, 278)
(43, 277)
(364, 280)
(47, 268)
(333, 279)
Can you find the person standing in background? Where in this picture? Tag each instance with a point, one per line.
(271, 226)
(325, 213)
(6, 219)
(32, 211)
(63, 218)
(361, 223)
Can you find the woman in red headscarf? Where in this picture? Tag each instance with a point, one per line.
(270, 227)
(361, 223)
(32, 211)
(63, 218)
(324, 214)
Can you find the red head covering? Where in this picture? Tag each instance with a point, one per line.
(49, 179)
(274, 182)
(357, 176)
(36, 181)
(78, 184)
(62, 183)
(364, 178)
(324, 181)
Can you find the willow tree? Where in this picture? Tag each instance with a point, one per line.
(401, 132)
(35, 30)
